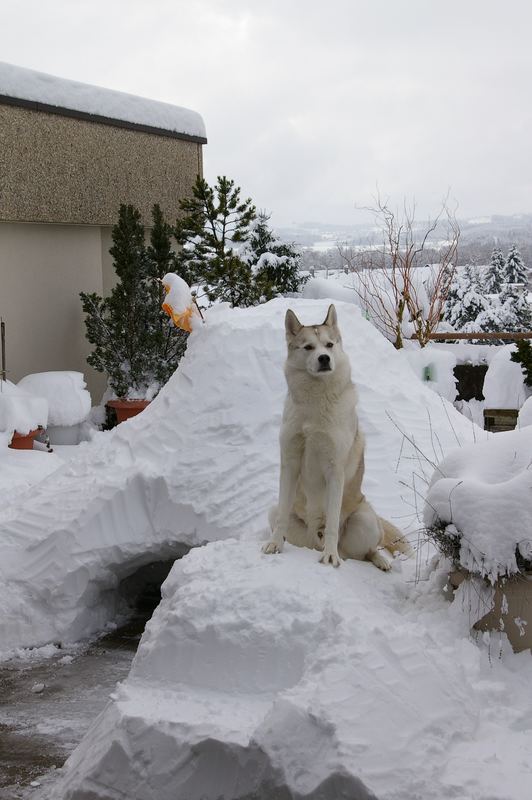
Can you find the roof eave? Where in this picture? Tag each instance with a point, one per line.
(46, 108)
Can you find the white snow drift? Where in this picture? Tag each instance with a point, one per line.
(199, 464)
(265, 676)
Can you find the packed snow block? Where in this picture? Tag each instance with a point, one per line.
(201, 464)
(274, 677)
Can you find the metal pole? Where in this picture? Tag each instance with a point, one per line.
(3, 345)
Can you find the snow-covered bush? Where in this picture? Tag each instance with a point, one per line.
(479, 505)
(274, 264)
(134, 341)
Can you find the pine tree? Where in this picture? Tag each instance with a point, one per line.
(523, 355)
(514, 268)
(275, 265)
(465, 300)
(516, 314)
(214, 227)
(133, 341)
(495, 272)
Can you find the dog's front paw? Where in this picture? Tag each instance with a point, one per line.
(331, 557)
(272, 547)
(381, 562)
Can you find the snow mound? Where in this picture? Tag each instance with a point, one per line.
(69, 402)
(434, 367)
(484, 491)
(504, 386)
(201, 464)
(284, 674)
(20, 411)
(525, 414)
(27, 84)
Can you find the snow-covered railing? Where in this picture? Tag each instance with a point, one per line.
(509, 336)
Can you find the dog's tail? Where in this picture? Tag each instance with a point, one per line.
(393, 540)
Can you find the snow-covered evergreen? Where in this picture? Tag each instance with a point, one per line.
(494, 274)
(514, 268)
(275, 265)
(465, 300)
(516, 314)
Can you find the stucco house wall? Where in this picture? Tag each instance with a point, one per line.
(64, 171)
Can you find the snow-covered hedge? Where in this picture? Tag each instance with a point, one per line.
(479, 504)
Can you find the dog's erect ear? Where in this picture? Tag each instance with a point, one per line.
(331, 320)
(291, 323)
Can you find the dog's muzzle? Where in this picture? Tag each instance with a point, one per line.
(324, 362)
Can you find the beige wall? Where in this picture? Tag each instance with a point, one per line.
(43, 268)
(64, 170)
(62, 181)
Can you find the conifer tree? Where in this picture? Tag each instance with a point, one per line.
(214, 227)
(465, 300)
(514, 268)
(495, 272)
(516, 314)
(134, 342)
(275, 264)
(523, 355)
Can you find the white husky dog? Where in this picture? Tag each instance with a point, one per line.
(321, 504)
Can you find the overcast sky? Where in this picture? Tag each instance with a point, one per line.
(309, 105)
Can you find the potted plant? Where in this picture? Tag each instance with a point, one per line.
(134, 341)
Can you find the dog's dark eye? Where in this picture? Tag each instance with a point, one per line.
(309, 347)
(329, 344)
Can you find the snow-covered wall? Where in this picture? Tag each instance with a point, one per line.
(200, 464)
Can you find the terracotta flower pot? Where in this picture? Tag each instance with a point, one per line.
(127, 408)
(24, 441)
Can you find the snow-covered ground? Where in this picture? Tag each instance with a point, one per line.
(266, 676)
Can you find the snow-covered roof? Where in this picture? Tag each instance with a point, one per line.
(43, 92)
